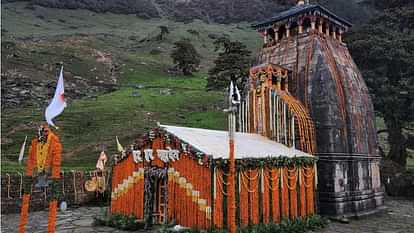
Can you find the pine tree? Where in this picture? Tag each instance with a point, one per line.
(384, 50)
(185, 56)
(233, 61)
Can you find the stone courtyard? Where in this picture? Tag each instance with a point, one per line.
(397, 218)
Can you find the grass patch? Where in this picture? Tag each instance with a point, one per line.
(88, 124)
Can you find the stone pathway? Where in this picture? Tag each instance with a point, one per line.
(398, 218)
(79, 220)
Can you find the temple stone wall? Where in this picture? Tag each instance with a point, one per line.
(327, 81)
(72, 186)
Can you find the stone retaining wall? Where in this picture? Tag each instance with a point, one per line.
(72, 184)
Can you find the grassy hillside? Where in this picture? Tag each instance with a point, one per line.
(145, 92)
(118, 33)
(35, 38)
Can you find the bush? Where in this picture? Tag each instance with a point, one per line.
(299, 225)
(119, 221)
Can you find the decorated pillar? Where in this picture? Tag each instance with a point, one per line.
(313, 22)
(300, 25)
(340, 35)
(320, 26)
(288, 30)
(327, 29)
(276, 29)
(42, 171)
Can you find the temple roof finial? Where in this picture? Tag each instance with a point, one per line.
(301, 2)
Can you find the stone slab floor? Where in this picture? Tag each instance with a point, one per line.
(397, 218)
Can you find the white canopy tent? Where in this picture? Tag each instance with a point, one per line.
(215, 143)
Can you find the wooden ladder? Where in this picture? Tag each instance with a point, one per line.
(160, 203)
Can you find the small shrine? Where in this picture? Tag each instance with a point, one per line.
(181, 175)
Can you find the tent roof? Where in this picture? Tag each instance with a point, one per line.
(215, 143)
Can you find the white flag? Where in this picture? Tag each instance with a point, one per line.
(119, 146)
(234, 94)
(58, 102)
(22, 150)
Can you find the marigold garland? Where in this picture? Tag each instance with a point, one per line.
(218, 202)
(24, 214)
(275, 188)
(308, 172)
(266, 196)
(285, 193)
(52, 216)
(244, 199)
(291, 181)
(302, 194)
(255, 197)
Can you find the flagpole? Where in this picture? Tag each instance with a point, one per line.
(232, 170)
(232, 163)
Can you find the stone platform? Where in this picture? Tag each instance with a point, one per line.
(397, 218)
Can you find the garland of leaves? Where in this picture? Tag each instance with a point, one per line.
(269, 162)
(207, 160)
(169, 139)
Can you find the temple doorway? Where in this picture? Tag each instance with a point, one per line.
(160, 200)
(155, 195)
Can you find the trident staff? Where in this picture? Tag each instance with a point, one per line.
(234, 102)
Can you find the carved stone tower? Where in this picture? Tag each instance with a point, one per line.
(307, 41)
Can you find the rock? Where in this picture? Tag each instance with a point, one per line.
(213, 36)
(193, 31)
(83, 222)
(156, 51)
(23, 92)
(165, 91)
(135, 94)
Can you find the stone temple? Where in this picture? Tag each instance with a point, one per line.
(308, 41)
(305, 99)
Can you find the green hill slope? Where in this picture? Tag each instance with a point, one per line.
(141, 93)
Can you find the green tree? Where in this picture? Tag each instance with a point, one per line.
(185, 56)
(384, 50)
(233, 61)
